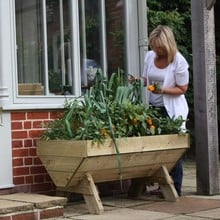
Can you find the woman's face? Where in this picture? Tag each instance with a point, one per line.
(161, 52)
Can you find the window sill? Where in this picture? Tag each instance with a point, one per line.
(32, 106)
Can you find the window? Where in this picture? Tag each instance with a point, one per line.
(43, 30)
(61, 43)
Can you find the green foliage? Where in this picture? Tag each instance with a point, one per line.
(104, 113)
(175, 14)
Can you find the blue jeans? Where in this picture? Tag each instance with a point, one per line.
(177, 171)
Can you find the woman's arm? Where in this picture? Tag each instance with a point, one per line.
(177, 90)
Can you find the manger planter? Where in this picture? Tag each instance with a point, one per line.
(76, 166)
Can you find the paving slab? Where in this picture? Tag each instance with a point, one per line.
(39, 201)
(215, 197)
(184, 205)
(185, 217)
(7, 206)
(208, 214)
(123, 201)
(125, 214)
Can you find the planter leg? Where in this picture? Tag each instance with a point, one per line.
(166, 184)
(93, 201)
(90, 193)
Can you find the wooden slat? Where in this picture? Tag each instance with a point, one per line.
(130, 160)
(126, 145)
(62, 148)
(65, 164)
(60, 179)
(110, 173)
(141, 144)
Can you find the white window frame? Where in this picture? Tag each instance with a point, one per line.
(52, 101)
(9, 100)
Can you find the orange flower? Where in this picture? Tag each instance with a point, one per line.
(104, 133)
(151, 88)
(152, 129)
(134, 121)
(149, 121)
(155, 87)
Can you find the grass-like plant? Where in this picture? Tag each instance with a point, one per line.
(110, 108)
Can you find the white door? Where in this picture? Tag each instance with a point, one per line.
(5, 151)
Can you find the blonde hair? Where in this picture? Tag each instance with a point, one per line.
(162, 37)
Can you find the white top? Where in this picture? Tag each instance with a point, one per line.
(157, 75)
(176, 73)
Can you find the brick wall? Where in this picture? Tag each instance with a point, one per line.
(29, 175)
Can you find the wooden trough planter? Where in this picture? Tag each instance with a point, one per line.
(76, 166)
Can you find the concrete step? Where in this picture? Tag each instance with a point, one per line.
(31, 206)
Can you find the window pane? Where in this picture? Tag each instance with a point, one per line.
(43, 41)
(92, 51)
(90, 40)
(59, 47)
(29, 46)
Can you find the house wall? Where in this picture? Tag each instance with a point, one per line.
(29, 175)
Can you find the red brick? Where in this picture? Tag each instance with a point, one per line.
(37, 161)
(56, 114)
(51, 213)
(18, 180)
(37, 115)
(45, 123)
(5, 218)
(37, 124)
(36, 133)
(41, 187)
(22, 188)
(18, 116)
(35, 141)
(28, 161)
(19, 134)
(24, 216)
(32, 151)
(16, 125)
(27, 124)
(16, 144)
(20, 171)
(20, 152)
(37, 170)
(29, 180)
(39, 179)
(18, 162)
(28, 143)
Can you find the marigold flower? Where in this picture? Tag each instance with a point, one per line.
(151, 88)
(149, 121)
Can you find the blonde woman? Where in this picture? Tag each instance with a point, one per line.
(166, 66)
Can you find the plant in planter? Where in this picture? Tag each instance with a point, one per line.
(110, 109)
(110, 134)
